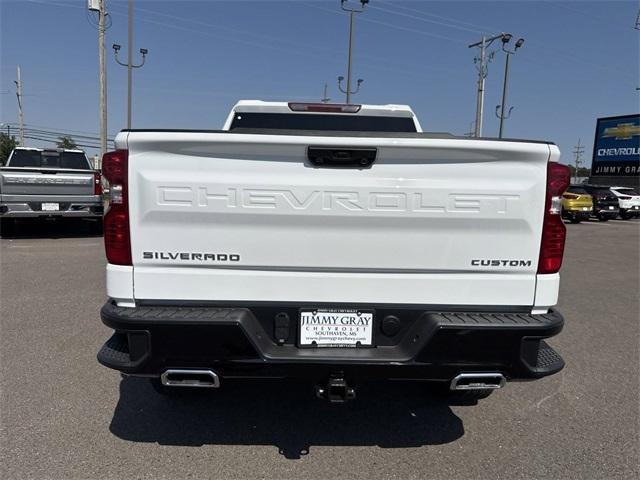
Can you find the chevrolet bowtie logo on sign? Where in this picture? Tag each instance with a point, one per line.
(616, 151)
(622, 131)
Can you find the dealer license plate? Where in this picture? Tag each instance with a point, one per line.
(336, 328)
(49, 207)
(585, 209)
(611, 207)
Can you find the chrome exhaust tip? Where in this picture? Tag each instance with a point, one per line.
(478, 381)
(190, 378)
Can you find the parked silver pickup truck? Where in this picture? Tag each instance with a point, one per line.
(49, 183)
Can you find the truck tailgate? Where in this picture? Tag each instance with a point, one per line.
(219, 216)
(42, 181)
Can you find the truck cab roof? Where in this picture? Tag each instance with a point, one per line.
(34, 149)
(337, 109)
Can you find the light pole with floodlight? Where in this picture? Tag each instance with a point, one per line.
(506, 38)
(348, 92)
(130, 65)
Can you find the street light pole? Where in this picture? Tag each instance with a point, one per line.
(349, 60)
(129, 59)
(502, 116)
(504, 95)
(103, 78)
(130, 65)
(348, 92)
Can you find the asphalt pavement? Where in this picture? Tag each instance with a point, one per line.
(65, 416)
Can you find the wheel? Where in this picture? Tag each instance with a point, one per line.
(576, 220)
(626, 216)
(602, 218)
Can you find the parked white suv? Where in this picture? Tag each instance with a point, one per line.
(335, 243)
(629, 201)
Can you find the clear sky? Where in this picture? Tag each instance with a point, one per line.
(580, 61)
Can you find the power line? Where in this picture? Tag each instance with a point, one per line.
(53, 133)
(306, 53)
(480, 28)
(391, 25)
(449, 25)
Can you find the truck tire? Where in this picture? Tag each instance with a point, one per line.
(603, 218)
(626, 216)
(576, 220)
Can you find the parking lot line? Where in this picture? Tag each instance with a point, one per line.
(617, 222)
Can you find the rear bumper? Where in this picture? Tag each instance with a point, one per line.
(605, 211)
(633, 210)
(72, 208)
(577, 213)
(241, 342)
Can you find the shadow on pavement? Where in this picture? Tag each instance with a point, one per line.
(286, 415)
(51, 228)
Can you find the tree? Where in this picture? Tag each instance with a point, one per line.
(67, 142)
(7, 144)
(582, 171)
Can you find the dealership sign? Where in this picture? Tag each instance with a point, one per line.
(616, 150)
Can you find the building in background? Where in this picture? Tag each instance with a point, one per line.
(616, 151)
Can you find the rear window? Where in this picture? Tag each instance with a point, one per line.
(49, 159)
(578, 190)
(310, 121)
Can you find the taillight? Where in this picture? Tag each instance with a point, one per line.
(97, 183)
(324, 107)
(553, 229)
(117, 240)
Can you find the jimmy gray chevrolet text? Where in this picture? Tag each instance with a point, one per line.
(334, 243)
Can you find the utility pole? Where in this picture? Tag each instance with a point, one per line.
(325, 99)
(103, 78)
(505, 39)
(18, 83)
(352, 11)
(480, 96)
(130, 65)
(578, 151)
(482, 60)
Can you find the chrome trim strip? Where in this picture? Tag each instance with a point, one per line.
(164, 378)
(481, 383)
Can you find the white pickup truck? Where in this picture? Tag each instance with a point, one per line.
(334, 243)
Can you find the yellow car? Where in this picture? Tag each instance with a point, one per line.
(577, 204)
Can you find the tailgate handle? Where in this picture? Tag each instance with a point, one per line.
(341, 157)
